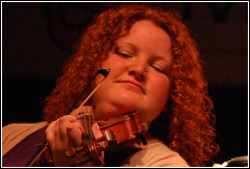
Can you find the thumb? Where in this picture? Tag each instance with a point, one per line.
(96, 131)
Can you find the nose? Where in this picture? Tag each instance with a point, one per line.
(138, 69)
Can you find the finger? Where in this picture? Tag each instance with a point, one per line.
(61, 138)
(63, 123)
(96, 131)
(50, 129)
(98, 134)
(50, 133)
(74, 132)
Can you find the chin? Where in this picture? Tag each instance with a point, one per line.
(127, 96)
(126, 105)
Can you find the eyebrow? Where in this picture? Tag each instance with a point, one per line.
(134, 48)
(128, 44)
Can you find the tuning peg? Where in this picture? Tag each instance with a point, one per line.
(71, 151)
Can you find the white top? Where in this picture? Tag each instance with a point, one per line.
(155, 154)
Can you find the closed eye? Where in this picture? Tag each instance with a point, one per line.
(158, 68)
(124, 54)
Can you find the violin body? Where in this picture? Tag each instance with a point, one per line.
(125, 128)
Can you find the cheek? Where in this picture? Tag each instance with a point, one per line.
(160, 88)
(158, 96)
(116, 69)
(113, 61)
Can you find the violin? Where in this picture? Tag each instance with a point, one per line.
(115, 131)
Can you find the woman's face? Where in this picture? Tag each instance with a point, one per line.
(138, 80)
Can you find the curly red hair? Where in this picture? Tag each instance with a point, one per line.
(188, 123)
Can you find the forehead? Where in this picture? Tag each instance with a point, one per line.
(147, 27)
(147, 30)
(147, 35)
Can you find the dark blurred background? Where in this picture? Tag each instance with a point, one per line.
(37, 39)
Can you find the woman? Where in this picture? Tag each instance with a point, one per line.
(155, 70)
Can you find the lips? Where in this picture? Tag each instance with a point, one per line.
(133, 84)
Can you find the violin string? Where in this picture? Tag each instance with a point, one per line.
(87, 128)
(84, 128)
(86, 119)
(90, 126)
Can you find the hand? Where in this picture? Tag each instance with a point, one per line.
(66, 132)
(63, 133)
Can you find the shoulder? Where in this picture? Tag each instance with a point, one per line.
(155, 154)
(15, 132)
